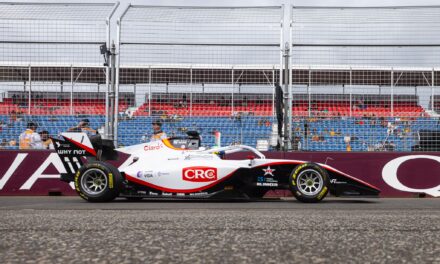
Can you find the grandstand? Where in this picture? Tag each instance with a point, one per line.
(251, 120)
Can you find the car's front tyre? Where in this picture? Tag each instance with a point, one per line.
(98, 182)
(309, 183)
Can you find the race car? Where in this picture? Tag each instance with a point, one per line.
(179, 168)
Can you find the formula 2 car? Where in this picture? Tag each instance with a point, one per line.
(180, 168)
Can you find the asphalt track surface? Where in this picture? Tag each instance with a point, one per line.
(69, 230)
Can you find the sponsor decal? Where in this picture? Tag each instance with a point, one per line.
(153, 147)
(199, 174)
(298, 168)
(144, 174)
(269, 171)
(335, 181)
(389, 175)
(198, 194)
(267, 181)
(150, 174)
(62, 145)
(80, 152)
(267, 184)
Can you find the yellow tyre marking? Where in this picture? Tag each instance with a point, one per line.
(321, 194)
(110, 181)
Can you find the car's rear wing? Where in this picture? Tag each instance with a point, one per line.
(74, 149)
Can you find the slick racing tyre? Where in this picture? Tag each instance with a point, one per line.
(309, 183)
(98, 182)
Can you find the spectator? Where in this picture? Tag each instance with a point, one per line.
(30, 139)
(267, 123)
(158, 134)
(12, 143)
(13, 116)
(306, 131)
(389, 146)
(47, 142)
(332, 132)
(383, 122)
(391, 128)
(4, 143)
(297, 143)
(83, 126)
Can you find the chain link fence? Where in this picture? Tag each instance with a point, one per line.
(361, 79)
(51, 69)
(364, 79)
(211, 70)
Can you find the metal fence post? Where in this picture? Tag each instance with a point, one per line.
(115, 91)
(232, 93)
(108, 129)
(351, 92)
(273, 91)
(30, 90)
(149, 90)
(191, 93)
(71, 90)
(309, 95)
(290, 79)
(281, 45)
(287, 99)
(432, 90)
(392, 92)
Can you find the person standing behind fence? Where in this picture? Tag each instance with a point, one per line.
(30, 139)
(83, 126)
(47, 142)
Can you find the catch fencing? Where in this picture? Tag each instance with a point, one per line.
(356, 78)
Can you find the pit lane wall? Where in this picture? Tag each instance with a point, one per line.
(396, 174)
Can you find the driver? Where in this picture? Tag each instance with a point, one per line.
(158, 133)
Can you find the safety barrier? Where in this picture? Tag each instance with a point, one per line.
(403, 174)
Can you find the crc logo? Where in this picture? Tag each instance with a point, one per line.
(389, 175)
(199, 174)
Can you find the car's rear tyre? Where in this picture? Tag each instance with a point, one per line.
(98, 182)
(309, 183)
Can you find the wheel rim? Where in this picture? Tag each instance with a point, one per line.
(94, 181)
(310, 182)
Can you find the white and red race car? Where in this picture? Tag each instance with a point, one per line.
(179, 168)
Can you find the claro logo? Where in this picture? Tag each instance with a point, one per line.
(154, 147)
(199, 174)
